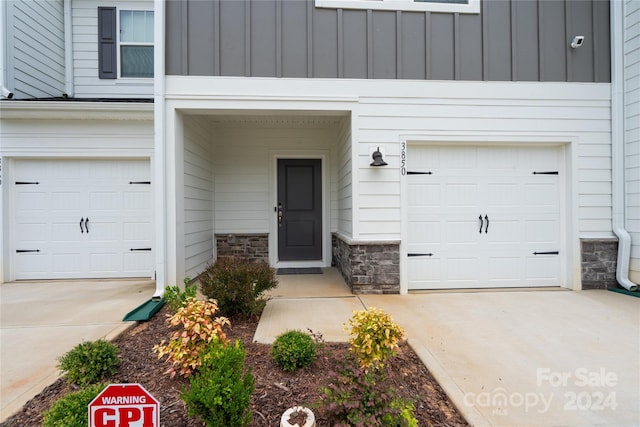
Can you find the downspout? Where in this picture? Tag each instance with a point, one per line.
(4, 37)
(617, 148)
(68, 51)
(159, 156)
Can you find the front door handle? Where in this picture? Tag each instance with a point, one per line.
(81, 222)
(86, 225)
(480, 218)
(486, 228)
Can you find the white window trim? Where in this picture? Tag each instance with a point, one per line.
(473, 6)
(119, 44)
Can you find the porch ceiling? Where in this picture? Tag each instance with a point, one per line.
(270, 117)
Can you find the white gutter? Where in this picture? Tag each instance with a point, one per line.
(68, 50)
(617, 147)
(159, 160)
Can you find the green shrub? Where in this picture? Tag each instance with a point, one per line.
(176, 298)
(199, 328)
(293, 349)
(374, 337)
(238, 285)
(71, 410)
(220, 392)
(359, 397)
(90, 362)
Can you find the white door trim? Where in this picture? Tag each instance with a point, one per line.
(323, 156)
(569, 240)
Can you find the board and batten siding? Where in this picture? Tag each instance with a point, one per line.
(509, 40)
(632, 129)
(34, 43)
(198, 194)
(85, 54)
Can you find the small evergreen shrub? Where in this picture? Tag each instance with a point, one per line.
(238, 285)
(359, 397)
(374, 337)
(175, 298)
(199, 328)
(220, 391)
(292, 350)
(90, 362)
(71, 410)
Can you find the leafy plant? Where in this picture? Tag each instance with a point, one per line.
(71, 409)
(293, 349)
(358, 397)
(199, 328)
(374, 337)
(89, 362)
(176, 298)
(238, 285)
(220, 392)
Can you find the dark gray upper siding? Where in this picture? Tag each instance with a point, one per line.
(509, 40)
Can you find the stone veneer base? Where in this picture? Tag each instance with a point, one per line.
(368, 267)
(252, 247)
(598, 263)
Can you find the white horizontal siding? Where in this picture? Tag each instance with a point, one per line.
(632, 129)
(388, 112)
(559, 119)
(85, 54)
(344, 205)
(198, 195)
(243, 166)
(35, 46)
(76, 138)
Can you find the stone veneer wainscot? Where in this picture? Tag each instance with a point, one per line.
(252, 247)
(599, 262)
(368, 267)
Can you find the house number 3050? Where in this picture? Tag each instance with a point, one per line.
(403, 158)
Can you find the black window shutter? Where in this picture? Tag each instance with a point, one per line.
(107, 67)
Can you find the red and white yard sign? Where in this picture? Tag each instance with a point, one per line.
(124, 405)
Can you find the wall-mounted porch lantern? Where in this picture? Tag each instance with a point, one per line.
(377, 158)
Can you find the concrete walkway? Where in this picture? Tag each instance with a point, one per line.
(40, 321)
(505, 358)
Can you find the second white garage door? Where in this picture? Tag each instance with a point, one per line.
(483, 216)
(82, 219)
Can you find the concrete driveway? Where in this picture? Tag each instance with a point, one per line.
(40, 321)
(505, 358)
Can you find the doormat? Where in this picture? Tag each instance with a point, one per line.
(626, 292)
(291, 271)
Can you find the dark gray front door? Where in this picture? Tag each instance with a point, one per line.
(299, 209)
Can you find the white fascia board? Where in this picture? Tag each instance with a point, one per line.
(72, 110)
(328, 90)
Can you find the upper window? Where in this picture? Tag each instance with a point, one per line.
(136, 43)
(125, 43)
(456, 6)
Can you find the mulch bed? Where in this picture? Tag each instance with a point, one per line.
(275, 390)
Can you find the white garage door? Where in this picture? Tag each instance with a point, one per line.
(483, 217)
(82, 219)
